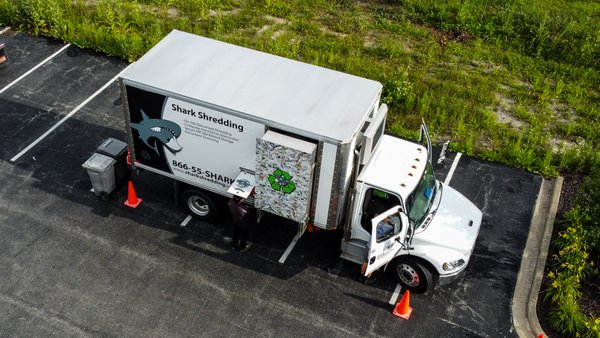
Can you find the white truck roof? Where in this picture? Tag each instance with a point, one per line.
(396, 165)
(279, 92)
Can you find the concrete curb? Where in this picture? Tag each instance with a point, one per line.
(531, 271)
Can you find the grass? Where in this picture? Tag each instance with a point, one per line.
(508, 81)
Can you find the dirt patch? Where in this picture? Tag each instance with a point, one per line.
(369, 40)
(274, 21)
(460, 35)
(172, 12)
(563, 113)
(502, 112)
(334, 33)
(590, 295)
(558, 144)
(213, 12)
(484, 67)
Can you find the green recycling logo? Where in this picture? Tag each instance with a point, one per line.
(282, 181)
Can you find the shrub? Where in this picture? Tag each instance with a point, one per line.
(571, 266)
(396, 88)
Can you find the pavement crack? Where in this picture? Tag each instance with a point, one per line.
(30, 244)
(465, 329)
(53, 320)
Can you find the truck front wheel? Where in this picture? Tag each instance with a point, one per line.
(199, 204)
(412, 275)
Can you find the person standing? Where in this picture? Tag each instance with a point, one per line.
(239, 213)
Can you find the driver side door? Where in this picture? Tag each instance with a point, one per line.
(385, 246)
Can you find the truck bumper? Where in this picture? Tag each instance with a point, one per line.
(451, 277)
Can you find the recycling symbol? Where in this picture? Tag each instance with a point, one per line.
(282, 181)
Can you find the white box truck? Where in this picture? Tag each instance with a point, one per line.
(299, 141)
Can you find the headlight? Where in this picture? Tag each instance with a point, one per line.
(453, 264)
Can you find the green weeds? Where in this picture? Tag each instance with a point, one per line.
(578, 246)
(511, 81)
(572, 265)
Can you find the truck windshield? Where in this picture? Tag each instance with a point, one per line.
(419, 202)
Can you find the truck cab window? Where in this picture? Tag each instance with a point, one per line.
(419, 202)
(388, 227)
(376, 201)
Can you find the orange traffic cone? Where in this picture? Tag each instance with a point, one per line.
(541, 335)
(402, 309)
(132, 200)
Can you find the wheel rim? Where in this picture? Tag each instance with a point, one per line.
(198, 206)
(408, 275)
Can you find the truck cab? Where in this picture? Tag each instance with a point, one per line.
(435, 226)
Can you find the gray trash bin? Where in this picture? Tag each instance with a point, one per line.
(117, 150)
(102, 174)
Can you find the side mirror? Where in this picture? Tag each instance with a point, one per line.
(442, 157)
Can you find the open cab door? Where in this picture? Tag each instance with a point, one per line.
(425, 140)
(388, 238)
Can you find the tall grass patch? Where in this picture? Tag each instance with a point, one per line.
(510, 81)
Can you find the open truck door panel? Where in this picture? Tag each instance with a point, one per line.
(388, 238)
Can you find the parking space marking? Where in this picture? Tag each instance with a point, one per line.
(4, 30)
(395, 295)
(75, 110)
(290, 247)
(34, 68)
(453, 168)
(185, 221)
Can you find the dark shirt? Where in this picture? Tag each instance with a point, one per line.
(239, 213)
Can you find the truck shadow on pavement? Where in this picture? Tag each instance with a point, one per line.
(52, 170)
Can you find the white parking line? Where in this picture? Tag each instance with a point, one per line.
(290, 247)
(16, 157)
(6, 29)
(395, 295)
(34, 68)
(453, 168)
(185, 221)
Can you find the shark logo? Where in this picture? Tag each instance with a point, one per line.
(153, 131)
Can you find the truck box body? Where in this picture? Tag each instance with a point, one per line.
(198, 110)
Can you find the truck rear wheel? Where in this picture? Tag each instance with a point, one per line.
(199, 204)
(412, 275)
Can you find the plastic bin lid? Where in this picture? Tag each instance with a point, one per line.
(99, 162)
(112, 147)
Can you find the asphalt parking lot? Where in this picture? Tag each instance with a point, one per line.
(72, 264)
